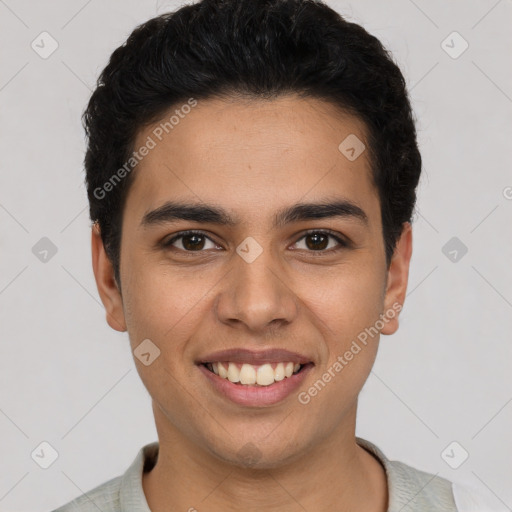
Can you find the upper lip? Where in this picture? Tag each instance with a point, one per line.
(242, 355)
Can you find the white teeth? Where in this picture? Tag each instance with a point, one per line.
(233, 373)
(248, 374)
(265, 375)
(222, 371)
(279, 372)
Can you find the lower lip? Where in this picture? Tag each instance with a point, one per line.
(256, 396)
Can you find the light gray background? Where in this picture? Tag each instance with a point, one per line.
(68, 379)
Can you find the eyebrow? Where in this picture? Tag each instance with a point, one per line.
(211, 214)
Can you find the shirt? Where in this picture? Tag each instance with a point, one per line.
(409, 489)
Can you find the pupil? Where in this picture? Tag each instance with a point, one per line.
(316, 236)
(193, 245)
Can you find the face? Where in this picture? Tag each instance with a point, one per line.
(260, 281)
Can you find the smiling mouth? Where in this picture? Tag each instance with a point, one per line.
(246, 374)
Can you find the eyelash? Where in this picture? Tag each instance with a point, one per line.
(342, 243)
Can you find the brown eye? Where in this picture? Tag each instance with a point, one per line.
(318, 241)
(193, 242)
(190, 241)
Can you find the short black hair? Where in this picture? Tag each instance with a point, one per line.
(259, 49)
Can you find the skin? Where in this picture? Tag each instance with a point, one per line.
(253, 158)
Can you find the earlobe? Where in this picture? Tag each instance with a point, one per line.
(105, 282)
(398, 275)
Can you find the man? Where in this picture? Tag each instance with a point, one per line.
(251, 171)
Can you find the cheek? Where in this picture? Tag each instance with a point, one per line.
(162, 305)
(163, 309)
(347, 308)
(347, 299)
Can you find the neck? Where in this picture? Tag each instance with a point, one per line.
(336, 474)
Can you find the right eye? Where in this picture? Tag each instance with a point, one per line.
(191, 241)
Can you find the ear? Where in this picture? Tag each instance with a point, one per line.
(398, 275)
(105, 282)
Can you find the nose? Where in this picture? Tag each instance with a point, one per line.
(256, 295)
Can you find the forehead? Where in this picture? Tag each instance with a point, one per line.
(251, 154)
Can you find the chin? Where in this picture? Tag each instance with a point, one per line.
(259, 455)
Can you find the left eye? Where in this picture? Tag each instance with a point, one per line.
(318, 241)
